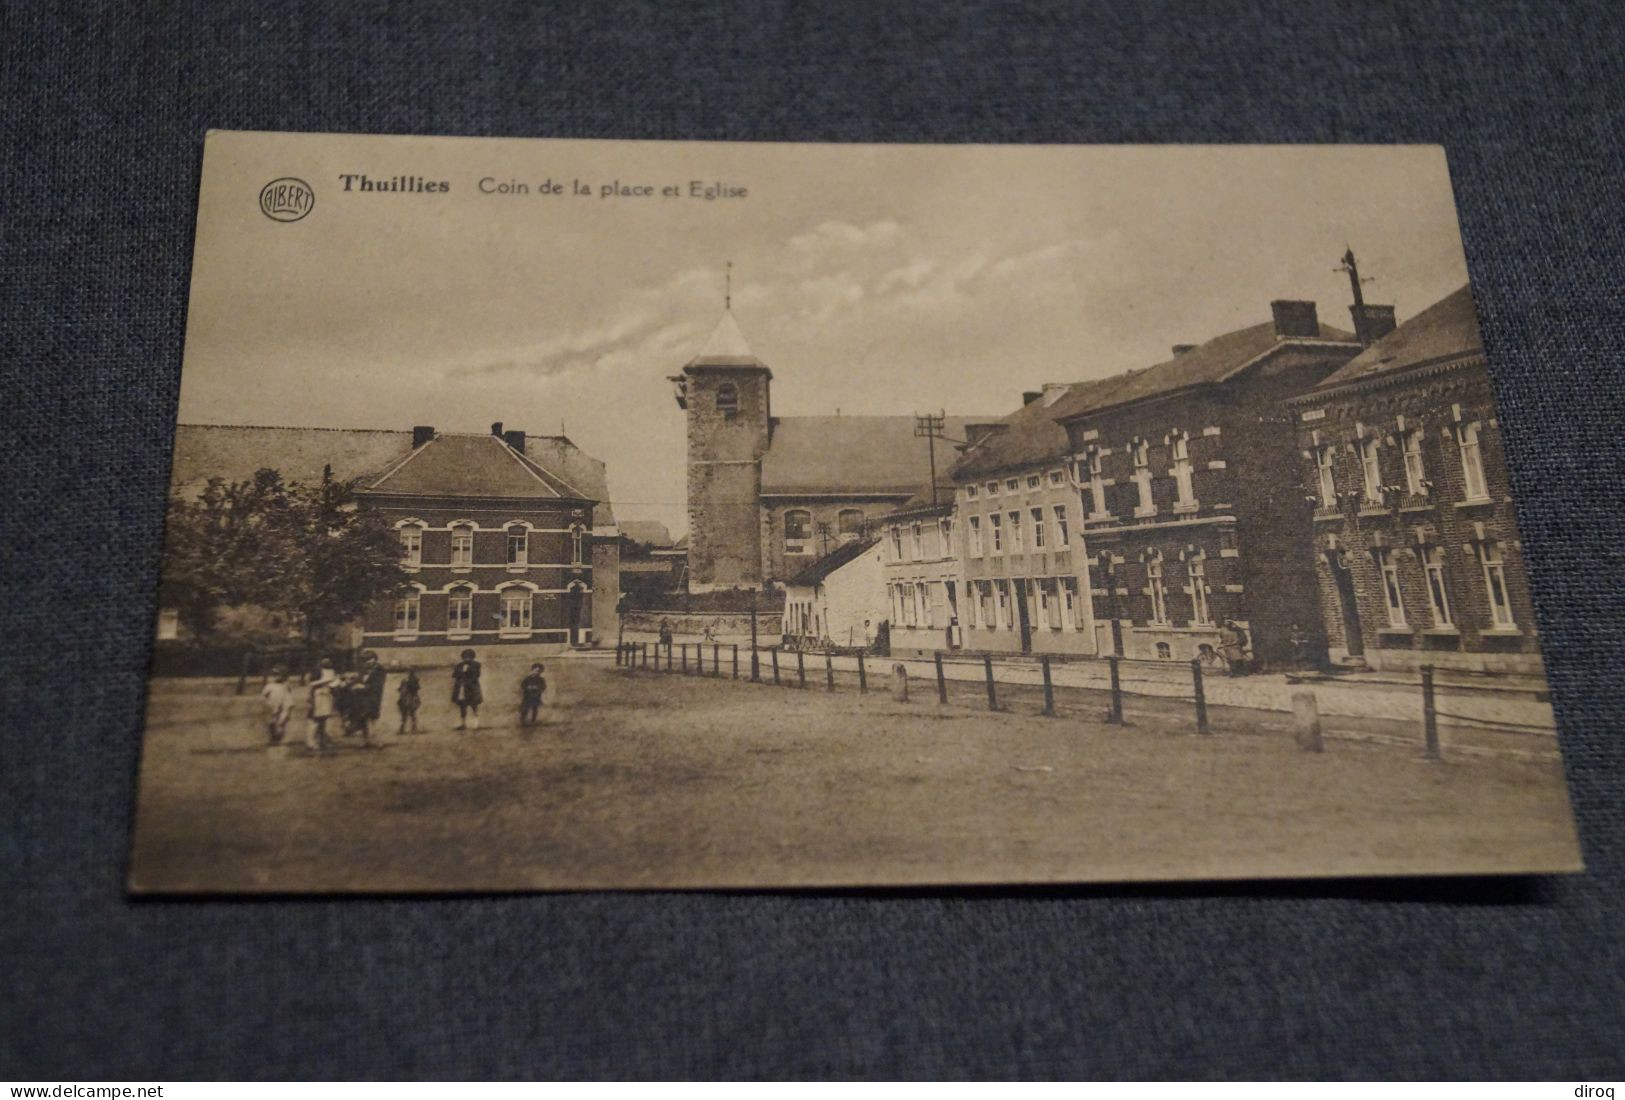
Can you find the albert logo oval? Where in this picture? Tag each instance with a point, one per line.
(287, 199)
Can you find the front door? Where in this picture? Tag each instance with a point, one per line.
(572, 616)
(1023, 617)
(1353, 635)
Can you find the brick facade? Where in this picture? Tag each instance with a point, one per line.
(1484, 620)
(1239, 535)
(554, 583)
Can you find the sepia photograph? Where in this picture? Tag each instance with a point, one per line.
(565, 515)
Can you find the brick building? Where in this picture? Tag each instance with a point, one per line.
(1191, 516)
(1020, 540)
(769, 495)
(922, 575)
(512, 536)
(1416, 546)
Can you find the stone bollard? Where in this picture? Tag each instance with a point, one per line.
(899, 682)
(1306, 721)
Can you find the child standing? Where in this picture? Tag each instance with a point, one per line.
(321, 706)
(278, 704)
(530, 695)
(408, 699)
(465, 691)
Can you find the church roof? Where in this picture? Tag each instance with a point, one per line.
(234, 452)
(828, 455)
(472, 466)
(1448, 329)
(726, 347)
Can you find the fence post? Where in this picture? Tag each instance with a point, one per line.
(801, 668)
(736, 660)
(992, 692)
(942, 681)
(1201, 696)
(1049, 689)
(684, 649)
(620, 651)
(1115, 714)
(863, 676)
(755, 664)
(242, 681)
(1306, 721)
(716, 659)
(644, 649)
(829, 671)
(1430, 715)
(774, 653)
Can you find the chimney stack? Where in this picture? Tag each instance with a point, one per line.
(515, 439)
(421, 434)
(496, 429)
(1295, 319)
(1181, 349)
(1030, 396)
(1372, 323)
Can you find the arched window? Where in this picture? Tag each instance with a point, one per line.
(408, 614)
(514, 616)
(460, 612)
(462, 545)
(411, 545)
(849, 524)
(1164, 650)
(728, 400)
(797, 531)
(518, 544)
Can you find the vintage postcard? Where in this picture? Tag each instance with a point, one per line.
(574, 515)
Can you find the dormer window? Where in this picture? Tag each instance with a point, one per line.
(728, 400)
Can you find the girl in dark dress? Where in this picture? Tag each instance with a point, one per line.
(465, 691)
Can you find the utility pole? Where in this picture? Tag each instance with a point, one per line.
(1353, 271)
(930, 427)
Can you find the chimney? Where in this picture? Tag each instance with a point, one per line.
(516, 440)
(421, 434)
(1030, 396)
(1181, 349)
(1295, 319)
(1054, 391)
(496, 429)
(1372, 323)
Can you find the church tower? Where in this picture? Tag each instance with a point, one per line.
(724, 390)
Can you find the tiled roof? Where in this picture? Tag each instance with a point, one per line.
(1447, 329)
(470, 466)
(1204, 364)
(818, 455)
(1026, 437)
(235, 452)
(830, 562)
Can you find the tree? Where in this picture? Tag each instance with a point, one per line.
(308, 551)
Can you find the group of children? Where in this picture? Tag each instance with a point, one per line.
(356, 699)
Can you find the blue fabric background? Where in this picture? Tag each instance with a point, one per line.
(102, 115)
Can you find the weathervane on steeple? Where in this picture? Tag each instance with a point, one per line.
(728, 286)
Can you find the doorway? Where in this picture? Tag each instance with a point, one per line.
(1023, 616)
(1343, 577)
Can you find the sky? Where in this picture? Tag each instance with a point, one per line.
(871, 279)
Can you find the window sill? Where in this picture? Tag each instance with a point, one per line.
(1418, 506)
(453, 636)
(1325, 515)
(1151, 514)
(1369, 510)
(1475, 502)
(404, 637)
(1188, 509)
(1442, 632)
(1406, 631)
(462, 569)
(517, 567)
(1501, 632)
(514, 633)
(1099, 517)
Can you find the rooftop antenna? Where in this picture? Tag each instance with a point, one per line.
(1353, 270)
